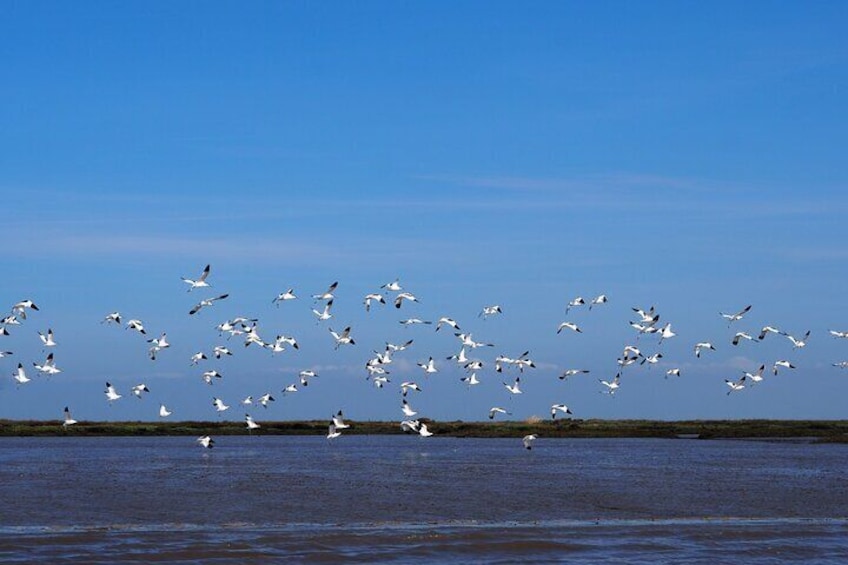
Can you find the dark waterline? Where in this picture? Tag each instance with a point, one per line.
(405, 499)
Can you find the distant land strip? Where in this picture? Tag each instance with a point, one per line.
(816, 430)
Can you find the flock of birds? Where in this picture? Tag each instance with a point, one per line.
(648, 331)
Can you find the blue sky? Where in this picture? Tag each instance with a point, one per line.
(677, 154)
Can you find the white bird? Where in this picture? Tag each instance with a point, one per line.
(373, 297)
(136, 325)
(199, 282)
(672, 373)
(338, 421)
(324, 314)
(265, 399)
(21, 307)
(163, 411)
(305, 376)
(571, 372)
(220, 350)
(528, 441)
(429, 367)
(569, 325)
(47, 339)
(514, 388)
(248, 400)
(415, 321)
(740, 336)
(333, 432)
(219, 404)
(198, 357)
(381, 381)
(21, 376)
(206, 441)
(598, 300)
(612, 386)
(140, 389)
(648, 316)
(444, 320)
(393, 347)
(666, 332)
(404, 296)
(841, 364)
(206, 302)
(702, 346)
(342, 338)
(407, 386)
(490, 311)
(559, 407)
(290, 389)
(68, 420)
(798, 343)
(48, 367)
(768, 330)
(468, 341)
(756, 377)
(652, 359)
(251, 424)
(497, 410)
(111, 393)
(284, 296)
(113, 318)
(407, 409)
(460, 357)
(423, 430)
(211, 374)
(574, 303)
(393, 286)
(781, 363)
(328, 295)
(736, 385)
(470, 380)
(410, 426)
(838, 334)
(737, 316)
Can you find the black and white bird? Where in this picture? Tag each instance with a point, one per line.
(328, 294)
(497, 410)
(199, 282)
(701, 346)
(68, 421)
(559, 408)
(737, 316)
(206, 441)
(111, 394)
(284, 297)
(206, 302)
(528, 441)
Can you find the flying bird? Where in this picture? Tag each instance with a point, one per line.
(68, 420)
(528, 441)
(328, 294)
(702, 346)
(283, 297)
(561, 408)
(569, 325)
(206, 302)
(737, 316)
(206, 441)
(571, 372)
(373, 297)
(497, 410)
(200, 282)
(404, 296)
(490, 311)
(47, 339)
(111, 393)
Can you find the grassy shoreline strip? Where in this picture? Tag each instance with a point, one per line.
(821, 430)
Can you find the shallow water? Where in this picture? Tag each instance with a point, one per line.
(409, 499)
